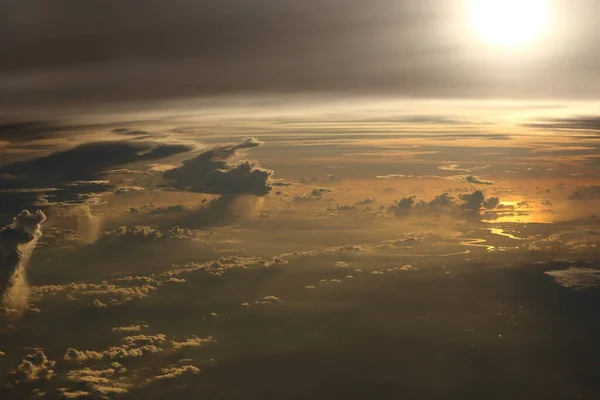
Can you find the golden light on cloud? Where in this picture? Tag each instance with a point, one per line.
(509, 22)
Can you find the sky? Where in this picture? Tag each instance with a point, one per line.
(299, 199)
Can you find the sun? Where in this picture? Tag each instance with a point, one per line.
(509, 22)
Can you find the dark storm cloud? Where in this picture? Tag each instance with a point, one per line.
(71, 53)
(211, 172)
(72, 175)
(85, 162)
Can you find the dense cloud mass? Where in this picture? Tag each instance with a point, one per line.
(424, 227)
(75, 174)
(210, 172)
(25, 229)
(85, 162)
(473, 201)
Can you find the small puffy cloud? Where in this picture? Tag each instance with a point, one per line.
(75, 394)
(269, 300)
(210, 172)
(160, 168)
(390, 176)
(129, 328)
(176, 372)
(129, 189)
(194, 341)
(453, 167)
(341, 264)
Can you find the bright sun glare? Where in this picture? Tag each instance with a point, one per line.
(509, 22)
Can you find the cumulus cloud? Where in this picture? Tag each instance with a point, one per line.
(24, 232)
(34, 367)
(404, 205)
(443, 200)
(194, 341)
(175, 372)
(132, 347)
(211, 172)
(491, 203)
(473, 201)
(99, 383)
(126, 236)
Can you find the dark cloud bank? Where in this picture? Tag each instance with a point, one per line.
(73, 175)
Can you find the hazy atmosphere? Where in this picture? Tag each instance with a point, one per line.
(290, 199)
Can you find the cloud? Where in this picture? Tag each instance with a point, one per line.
(26, 228)
(129, 328)
(576, 278)
(404, 205)
(127, 236)
(16, 132)
(491, 203)
(176, 372)
(210, 172)
(454, 168)
(34, 367)
(473, 201)
(131, 132)
(586, 193)
(583, 123)
(134, 347)
(442, 200)
(85, 162)
(476, 180)
(194, 341)
(129, 189)
(75, 174)
(100, 383)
